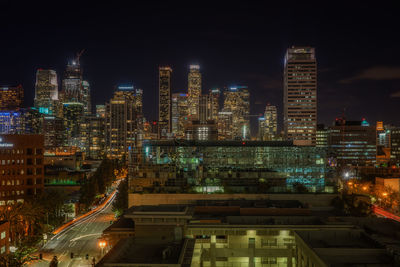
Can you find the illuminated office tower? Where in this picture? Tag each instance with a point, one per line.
(46, 91)
(213, 103)
(322, 136)
(72, 83)
(85, 99)
(121, 123)
(194, 91)
(262, 129)
(164, 105)
(53, 131)
(139, 100)
(271, 122)
(73, 117)
(92, 136)
(101, 111)
(11, 97)
(353, 143)
(179, 114)
(203, 109)
(237, 101)
(225, 125)
(300, 95)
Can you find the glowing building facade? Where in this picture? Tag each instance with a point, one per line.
(213, 104)
(85, 99)
(300, 95)
(353, 143)
(194, 91)
(121, 123)
(11, 97)
(237, 101)
(46, 92)
(180, 117)
(73, 117)
(240, 166)
(164, 105)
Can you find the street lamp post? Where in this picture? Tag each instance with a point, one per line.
(102, 245)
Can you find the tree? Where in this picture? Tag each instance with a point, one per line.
(300, 188)
(19, 258)
(121, 200)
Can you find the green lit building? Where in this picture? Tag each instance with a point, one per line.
(227, 166)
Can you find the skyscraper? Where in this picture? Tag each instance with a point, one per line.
(179, 114)
(72, 83)
(121, 123)
(271, 122)
(11, 97)
(214, 104)
(194, 91)
(237, 101)
(46, 91)
(85, 99)
(164, 106)
(300, 95)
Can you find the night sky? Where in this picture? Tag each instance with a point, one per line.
(234, 42)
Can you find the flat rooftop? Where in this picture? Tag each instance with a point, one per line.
(142, 251)
(346, 248)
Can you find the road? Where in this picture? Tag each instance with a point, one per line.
(80, 238)
(381, 212)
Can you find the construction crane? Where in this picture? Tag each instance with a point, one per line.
(78, 56)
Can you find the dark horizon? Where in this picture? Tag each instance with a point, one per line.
(356, 48)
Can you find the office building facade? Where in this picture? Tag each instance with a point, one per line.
(46, 91)
(11, 97)
(300, 95)
(180, 116)
(194, 91)
(237, 101)
(21, 167)
(121, 123)
(164, 105)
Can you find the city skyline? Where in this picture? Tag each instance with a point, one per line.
(341, 46)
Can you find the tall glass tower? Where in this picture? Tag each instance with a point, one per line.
(46, 91)
(194, 91)
(164, 105)
(300, 95)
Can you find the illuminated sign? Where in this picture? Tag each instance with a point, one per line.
(5, 144)
(125, 87)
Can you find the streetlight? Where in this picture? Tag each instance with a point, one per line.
(102, 245)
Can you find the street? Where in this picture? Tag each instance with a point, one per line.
(80, 238)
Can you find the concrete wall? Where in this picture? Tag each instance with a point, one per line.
(314, 200)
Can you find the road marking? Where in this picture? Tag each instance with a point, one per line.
(83, 236)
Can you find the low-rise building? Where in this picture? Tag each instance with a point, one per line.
(4, 237)
(21, 167)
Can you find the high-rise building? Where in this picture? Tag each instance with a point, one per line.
(101, 111)
(121, 123)
(271, 121)
(92, 136)
(46, 91)
(353, 143)
(214, 104)
(203, 109)
(72, 83)
(180, 118)
(322, 136)
(21, 167)
(395, 145)
(224, 126)
(194, 91)
(164, 105)
(21, 121)
(87, 104)
(237, 101)
(53, 131)
(73, 116)
(300, 95)
(11, 97)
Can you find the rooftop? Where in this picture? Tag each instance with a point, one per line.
(143, 251)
